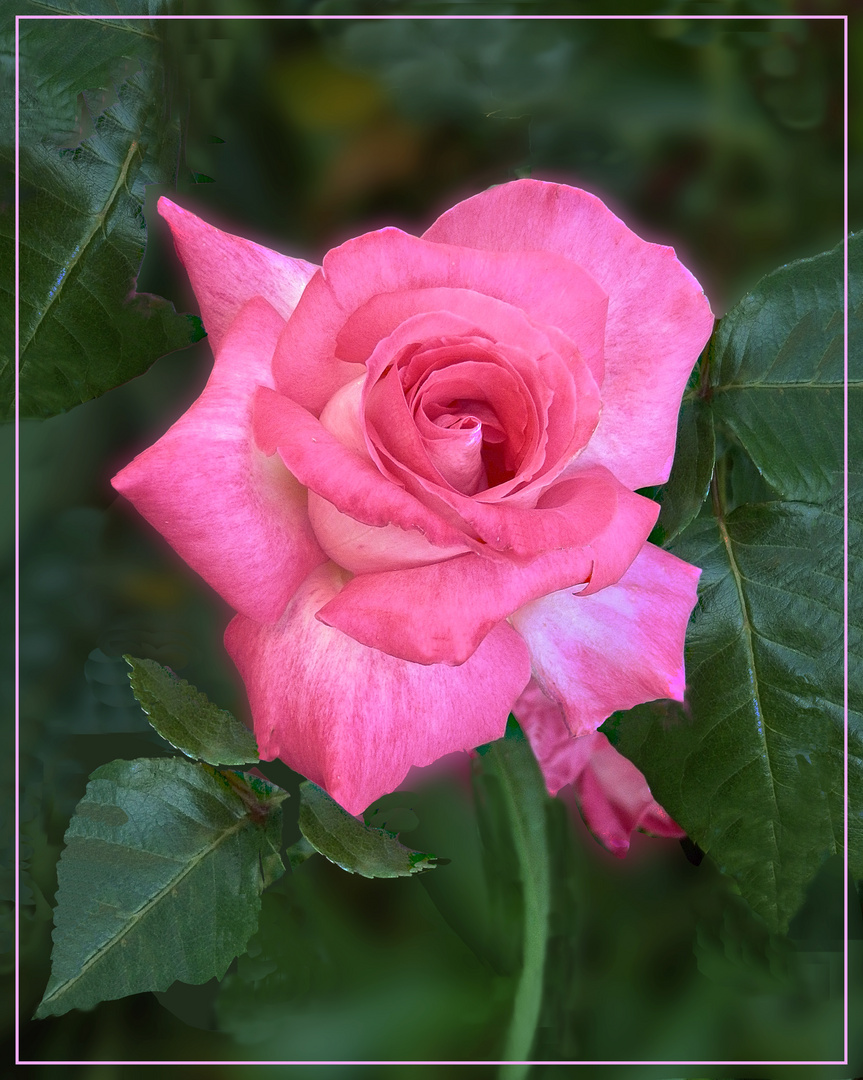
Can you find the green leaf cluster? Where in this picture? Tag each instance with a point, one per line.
(752, 764)
(165, 859)
(98, 123)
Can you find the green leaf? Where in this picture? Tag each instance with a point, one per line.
(160, 879)
(186, 717)
(776, 373)
(350, 844)
(84, 328)
(60, 60)
(752, 766)
(683, 495)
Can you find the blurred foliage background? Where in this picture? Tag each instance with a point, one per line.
(722, 137)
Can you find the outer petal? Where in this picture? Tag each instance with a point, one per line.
(226, 271)
(616, 648)
(658, 317)
(441, 612)
(355, 720)
(237, 518)
(611, 792)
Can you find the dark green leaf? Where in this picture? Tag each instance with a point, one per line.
(752, 766)
(186, 717)
(298, 852)
(160, 879)
(62, 59)
(776, 372)
(84, 328)
(682, 497)
(350, 844)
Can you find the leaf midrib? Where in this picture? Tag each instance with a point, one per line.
(100, 22)
(747, 632)
(837, 385)
(98, 222)
(142, 911)
(696, 393)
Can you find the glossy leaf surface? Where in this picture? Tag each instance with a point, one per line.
(684, 493)
(752, 764)
(83, 327)
(776, 372)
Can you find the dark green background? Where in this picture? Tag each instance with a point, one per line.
(722, 138)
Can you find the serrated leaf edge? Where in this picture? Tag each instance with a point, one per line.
(131, 661)
(244, 822)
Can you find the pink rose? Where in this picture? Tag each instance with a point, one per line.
(412, 474)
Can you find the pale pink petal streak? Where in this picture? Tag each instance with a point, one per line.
(596, 654)
(355, 720)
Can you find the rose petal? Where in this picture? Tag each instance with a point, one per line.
(226, 271)
(355, 720)
(560, 754)
(497, 319)
(612, 794)
(440, 613)
(540, 354)
(440, 356)
(658, 317)
(237, 518)
(557, 521)
(617, 648)
(546, 403)
(369, 549)
(615, 800)
(549, 289)
(341, 475)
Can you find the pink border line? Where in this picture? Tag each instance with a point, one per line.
(417, 18)
(17, 557)
(413, 1061)
(845, 786)
(359, 17)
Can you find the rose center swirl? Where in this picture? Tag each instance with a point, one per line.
(466, 431)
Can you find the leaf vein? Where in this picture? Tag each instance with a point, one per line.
(141, 912)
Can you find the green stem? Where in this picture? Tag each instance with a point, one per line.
(525, 803)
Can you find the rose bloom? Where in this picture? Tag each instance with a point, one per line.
(412, 473)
